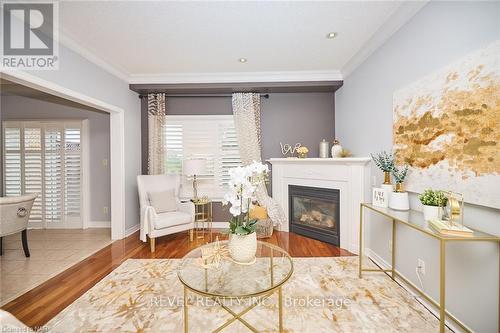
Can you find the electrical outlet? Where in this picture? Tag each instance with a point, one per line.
(105, 210)
(105, 162)
(421, 266)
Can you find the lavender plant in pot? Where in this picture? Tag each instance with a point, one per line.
(433, 202)
(242, 186)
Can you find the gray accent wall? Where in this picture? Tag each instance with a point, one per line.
(25, 108)
(439, 34)
(285, 117)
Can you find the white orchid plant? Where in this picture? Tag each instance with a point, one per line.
(241, 194)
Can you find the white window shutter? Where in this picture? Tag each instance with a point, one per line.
(229, 151)
(33, 181)
(45, 158)
(72, 171)
(173, 137)
(53, 175)
(12, 161)
(212, 138)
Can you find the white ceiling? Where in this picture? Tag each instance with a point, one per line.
(151, 41)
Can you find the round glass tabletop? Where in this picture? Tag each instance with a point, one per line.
(272, 268)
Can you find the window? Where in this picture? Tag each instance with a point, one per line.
(45, 158)
(212, 138)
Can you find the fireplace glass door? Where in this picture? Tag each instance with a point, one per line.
(315, 212)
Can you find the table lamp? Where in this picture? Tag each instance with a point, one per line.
(193, 167)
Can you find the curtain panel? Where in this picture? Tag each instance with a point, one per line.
(246, 111)
(156, 124)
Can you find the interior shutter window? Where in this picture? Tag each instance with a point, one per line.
(212, 138)
(45, 158)
(72, 171)
(33, 169)
(12, 161)
(229, 151)
(53, 174)
(173, 139)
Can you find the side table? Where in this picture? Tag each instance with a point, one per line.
(203, 218)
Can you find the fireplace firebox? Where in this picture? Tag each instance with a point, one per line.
(315, 212)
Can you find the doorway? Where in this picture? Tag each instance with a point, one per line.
(116, 137)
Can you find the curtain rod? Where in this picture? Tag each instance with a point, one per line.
(201, 95)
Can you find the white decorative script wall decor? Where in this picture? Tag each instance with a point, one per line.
(288, 149)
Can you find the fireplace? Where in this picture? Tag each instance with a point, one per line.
(315, 212)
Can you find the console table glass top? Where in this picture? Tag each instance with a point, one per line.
(415, 220)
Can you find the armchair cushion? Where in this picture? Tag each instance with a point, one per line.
(170, 219)
(163, 201)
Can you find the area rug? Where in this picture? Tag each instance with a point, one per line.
(323, 295)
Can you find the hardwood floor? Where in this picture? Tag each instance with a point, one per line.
(38, 306)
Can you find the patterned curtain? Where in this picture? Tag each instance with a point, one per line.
(156, 122)
(246, 110)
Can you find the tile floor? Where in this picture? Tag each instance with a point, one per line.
(52, 251)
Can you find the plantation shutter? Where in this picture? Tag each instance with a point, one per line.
(45, 158)
(12, 161)
(72, 171)
(33, 182)
(229, 151)
(173, 134)
(212, 138)
(53, 175)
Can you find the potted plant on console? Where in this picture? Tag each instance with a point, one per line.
(399, 199)
(242, 186)
(433, 202)
(385, 162)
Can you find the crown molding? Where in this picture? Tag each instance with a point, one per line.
(234, 77)
(85, 53)
(399, 18)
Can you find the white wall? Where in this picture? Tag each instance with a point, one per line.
(436, 36)
(78, 74)
(25, 108)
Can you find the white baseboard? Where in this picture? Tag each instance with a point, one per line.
(99, 224)
(428, 305)
(130, 230)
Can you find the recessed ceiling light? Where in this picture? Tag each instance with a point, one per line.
(242, 60)
(331, 35)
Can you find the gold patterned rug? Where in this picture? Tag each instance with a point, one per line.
(323, 295)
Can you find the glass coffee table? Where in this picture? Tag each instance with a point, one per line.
(230, 281)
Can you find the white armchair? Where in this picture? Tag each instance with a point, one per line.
(155, 224)
(14, 216)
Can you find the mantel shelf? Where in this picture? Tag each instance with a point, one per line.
(318, 160)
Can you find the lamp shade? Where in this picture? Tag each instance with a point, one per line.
(194, 166)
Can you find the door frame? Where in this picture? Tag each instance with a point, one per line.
(117, 139)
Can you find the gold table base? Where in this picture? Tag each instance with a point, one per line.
(236, 316)
(203, 219)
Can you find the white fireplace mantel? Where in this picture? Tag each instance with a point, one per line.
(350, 175)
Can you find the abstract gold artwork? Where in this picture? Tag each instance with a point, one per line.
(447, 128)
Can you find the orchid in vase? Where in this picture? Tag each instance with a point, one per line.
(242, 186)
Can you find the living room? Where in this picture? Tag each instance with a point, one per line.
(250, 166)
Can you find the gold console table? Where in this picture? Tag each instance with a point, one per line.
(415, 220)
